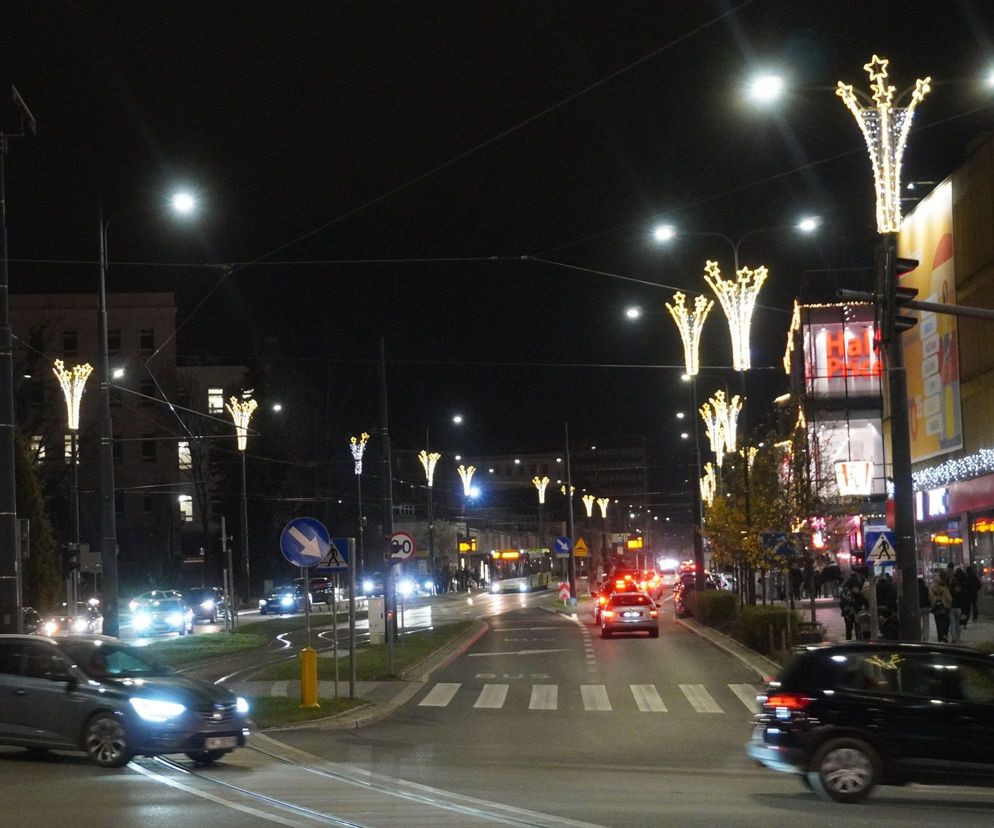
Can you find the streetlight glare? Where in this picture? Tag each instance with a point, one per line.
(808, 224)
(277, 407)
(633, 312)
(766, 88)
(989, 79)
(664, 232)
(680, 415)
(184, 203)
(457, 419)
(118, 373)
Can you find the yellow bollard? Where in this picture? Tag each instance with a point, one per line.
(309, 677)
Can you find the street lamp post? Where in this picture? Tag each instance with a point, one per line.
(540, 484)
(428, 462)
(241, 413)
(73, 383)
(357, 445)
(602, 504)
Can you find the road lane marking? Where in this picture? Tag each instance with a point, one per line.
(595, 697)
(492, 696)
(544, 697)
(647, 698)
(700, 699)
(440, 695)
(516, 653)
(747, 695)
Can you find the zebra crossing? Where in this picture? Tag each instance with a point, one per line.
(597, 698)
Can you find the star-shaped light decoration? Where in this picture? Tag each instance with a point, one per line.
(358, 445)
(429, 461)
(241, 413)
(690, 324)
(738, 301)
(588, 504)
(72, 382)
(540, 483)
(602, 504)
(466, 476)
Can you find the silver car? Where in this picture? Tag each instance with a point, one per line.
(627, 612)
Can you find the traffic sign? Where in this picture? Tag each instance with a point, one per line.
(561, 546)
(337, 559)
(780, 543)
(580, 549)
(880, 547)
(564, 591)
(401, 547)
(304, 541)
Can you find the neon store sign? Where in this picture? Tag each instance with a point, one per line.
(842, 359)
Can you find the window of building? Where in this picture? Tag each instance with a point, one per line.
(114, 342)
(38, 448)
(215, 400)
(146, 341)
(70, 343)
(186, 508)
(118, 447)
(147, 389)
(185, 458)
(149, 448)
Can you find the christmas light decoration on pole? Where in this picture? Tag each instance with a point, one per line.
(690, 325)
(709, 484)
(714, 412)
(738, 301)
(357, 445)
(732, 410)
(588, 504)
(428, 461)
(603, 503)
(466, 475)
(885, 129)
(540, 483)
(241, 412)
(572, 490)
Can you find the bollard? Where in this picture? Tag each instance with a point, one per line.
(309, 677)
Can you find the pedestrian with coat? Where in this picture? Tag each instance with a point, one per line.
(960, 613)
(941, 600)
(974, 585)
(851, 601)
(924, 607)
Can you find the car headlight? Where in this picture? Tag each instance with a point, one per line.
(142, 621)
(523, 588)
(207, 605)
(494, 587)
(428, 586)
(286, 600)
(132, 605)
(80, 625)
(367, 586)
(405, 587)
(156, 710)
(263, 602)
(241, 705)
(175, 619)
(51, 627)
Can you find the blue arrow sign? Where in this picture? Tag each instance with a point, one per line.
(780, 543)
(337, 559)
(562, 546)
(304, 541)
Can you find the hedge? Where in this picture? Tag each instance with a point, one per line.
(752, 627)
(718, 609)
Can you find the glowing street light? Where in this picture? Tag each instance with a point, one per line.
(885, 129)
(808, 224)
(184, 203)
(664, 232)
(766, 88)
(738, 301)
(241, 413)
(633, 312)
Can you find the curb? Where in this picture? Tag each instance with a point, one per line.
(760, 664)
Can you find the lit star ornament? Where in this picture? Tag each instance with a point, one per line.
(709, 484)
(588, 504)
(357, 445)
(690, 324)
(602, 504)
(429, 461)
(73, 383)
(466, 475)
(885, 129)
(241, 413)
(738, 301)
(714, 412)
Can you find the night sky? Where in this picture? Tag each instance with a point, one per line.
(474, 181)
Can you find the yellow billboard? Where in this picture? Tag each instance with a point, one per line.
(931, 355)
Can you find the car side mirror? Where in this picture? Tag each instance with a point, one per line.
(68, 678)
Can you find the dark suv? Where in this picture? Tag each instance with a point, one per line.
(850, 716)
(93, 693)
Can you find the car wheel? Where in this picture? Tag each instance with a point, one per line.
(844, 770)
(105, 741)
(206, 757)
(653, 633)
(605, 633)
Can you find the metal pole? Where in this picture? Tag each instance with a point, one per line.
(229, 581)
(10, 604)
(108, 508)
(352, 653)
(74, 459)
(571, 562)
(695, 492)
(388, 581)
(245, 538)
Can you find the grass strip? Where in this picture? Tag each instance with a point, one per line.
(371, 662)
(273, 711)
(182, 650)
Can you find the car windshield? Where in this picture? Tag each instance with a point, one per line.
(629, 600)
(102, 660)
(284, 590)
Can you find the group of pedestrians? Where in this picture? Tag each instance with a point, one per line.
(951, 600)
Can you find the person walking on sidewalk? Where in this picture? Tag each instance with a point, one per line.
(851, 602)
(974, 585)
(941, 600)
(924, 606)
(960, 612)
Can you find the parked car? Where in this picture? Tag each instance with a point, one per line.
(95, 694)
(283, 600)
(207, 603)
(163, 615)
(847, 717)
(628, 612)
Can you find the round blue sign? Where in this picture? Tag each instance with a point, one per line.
(304, 541)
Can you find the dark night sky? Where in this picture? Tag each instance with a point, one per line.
(322, 132)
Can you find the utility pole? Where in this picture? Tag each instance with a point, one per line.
(389, 594)
(570, 527)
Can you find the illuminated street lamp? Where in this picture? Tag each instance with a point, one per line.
(241, 412)
(72, 383)
(428, 462)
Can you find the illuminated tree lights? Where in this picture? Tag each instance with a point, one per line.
(358, 446)
(690, 324)
(885, 129)
(73, 383)
(603, 503)
(241, 413)
(540, 483)
(738, 301)
(572, 489)
(428, 461)
(721, 420)
(709, 484)
(588, 504)
(466, 475)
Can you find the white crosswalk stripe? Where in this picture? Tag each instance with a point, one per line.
(492, 696)
(544, 697)
(595, 697)
(647, 698)
(747, 695)
(700, 699)
(440, 695)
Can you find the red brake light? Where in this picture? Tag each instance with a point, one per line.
(602, 600)
(607, 613)
(619, 584)
(789, 701)
(653, 613)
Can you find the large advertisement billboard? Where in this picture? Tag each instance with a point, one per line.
(931, 355)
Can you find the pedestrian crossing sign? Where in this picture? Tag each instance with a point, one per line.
(880, 548)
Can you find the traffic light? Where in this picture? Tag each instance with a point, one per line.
(888, 320)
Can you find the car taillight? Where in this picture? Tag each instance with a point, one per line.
(619, 584)
(787, 701)
(602, 600)
(653, 613)
(608, 613)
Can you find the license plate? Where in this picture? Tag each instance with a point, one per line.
(219, 742)
(632, 615)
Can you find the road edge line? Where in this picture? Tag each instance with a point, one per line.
(756, 662)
